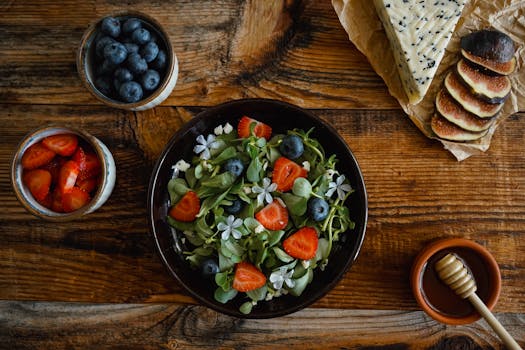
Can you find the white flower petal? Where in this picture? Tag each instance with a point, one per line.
(257, 189)
(272, 187)
(237, 223)
(225, 234)
(205, 154)
(222, 226)
(199, 148)
(330, 192)
(201, 140)
(346, 187)
(236, 234)
(268, 198)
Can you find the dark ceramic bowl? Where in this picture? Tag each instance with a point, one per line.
(281, 117)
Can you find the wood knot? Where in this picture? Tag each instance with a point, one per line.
(456, 343)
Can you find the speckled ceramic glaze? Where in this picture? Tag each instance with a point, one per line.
(107, 179)
(281, 117)
(85, 64)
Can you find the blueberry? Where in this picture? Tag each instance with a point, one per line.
(150, 80)
(292, 146)
(141, 36)
(131, 91)
(130, 25)
(103, 84)
(159, 63)
(317, 208)
(110, 26)
(137, 64)
(123, 75)
(235, 207)
(101, 43)
(132, 48)
(106, 68)
(209, 268)
(234, 166)
(149, 51)
(115, 53)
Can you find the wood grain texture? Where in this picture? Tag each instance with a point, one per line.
(58, 326)
(417, 193)
(289, 50)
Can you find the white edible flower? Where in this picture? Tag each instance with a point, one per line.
(218, 130)
(338, 186)
(329, 174)
(259, 229)
(205, 145)
(306, 165)
(230, 227)
(181, 165)
(227, 128)
(281, 276)
(264, 192)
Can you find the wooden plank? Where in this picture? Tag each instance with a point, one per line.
(58, 326)
(289, 50)
(417, 193)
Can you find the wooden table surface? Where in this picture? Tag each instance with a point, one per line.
(98, 282)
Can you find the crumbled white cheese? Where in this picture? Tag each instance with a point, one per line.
(247, 189)
(181, 165)
(227, 128)
(306, 165)
(218, 130)
(305, 263)
(260, 228)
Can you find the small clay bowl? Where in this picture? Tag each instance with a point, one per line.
(437, 299)
(105, 185)
(86, 63)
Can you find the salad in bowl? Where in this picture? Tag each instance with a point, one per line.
(257, 212)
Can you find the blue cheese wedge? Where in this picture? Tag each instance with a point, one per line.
(419, 32)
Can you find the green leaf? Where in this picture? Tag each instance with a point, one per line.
(281, 255)
(251, 223)
(246, 308)
(261, 142)
(275, 237)
(179, 225)
(210, 203)
(296, 205)
(193, 238)
(323, 249)
(202, 228)
(254, 169)
(223, 296)
(301, 283)
(302, 187)
(227, 153)
(258, 294)
(225, 263)
(198, 172)
(190, 177)
(233, 247)
(220, 182)
(177, 188)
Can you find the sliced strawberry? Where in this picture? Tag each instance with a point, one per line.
(56, 204)
(38, 181)
(74, 199)
(47, 201)
(80, 157)
(91, 167)
(186, 208)
(88, 184)
(260, 129)
(67, 177)
(54, 167)
(285, 172)
(273, 216)
(63, 144)
(36, 156)
(302, 244)
(247, 277)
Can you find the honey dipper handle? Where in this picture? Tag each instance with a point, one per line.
(507, 339)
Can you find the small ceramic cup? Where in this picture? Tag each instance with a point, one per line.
(437, 299)
(86, 63)
(106, 182)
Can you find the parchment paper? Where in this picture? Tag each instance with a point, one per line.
(365, 30)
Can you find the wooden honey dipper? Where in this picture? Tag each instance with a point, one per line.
(454, 273)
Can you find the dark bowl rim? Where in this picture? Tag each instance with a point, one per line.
(223, 309)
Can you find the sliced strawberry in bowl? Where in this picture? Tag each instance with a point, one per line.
(74, 199)
(260, 129)
(88, 185)
(273, 216)
(36, 156)
(302, 244)
(247, 277)
(187, 208)
(91, 167)
(63, 144)
(80, 157)
(285, 172)
(67, 177)
(38, 181)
